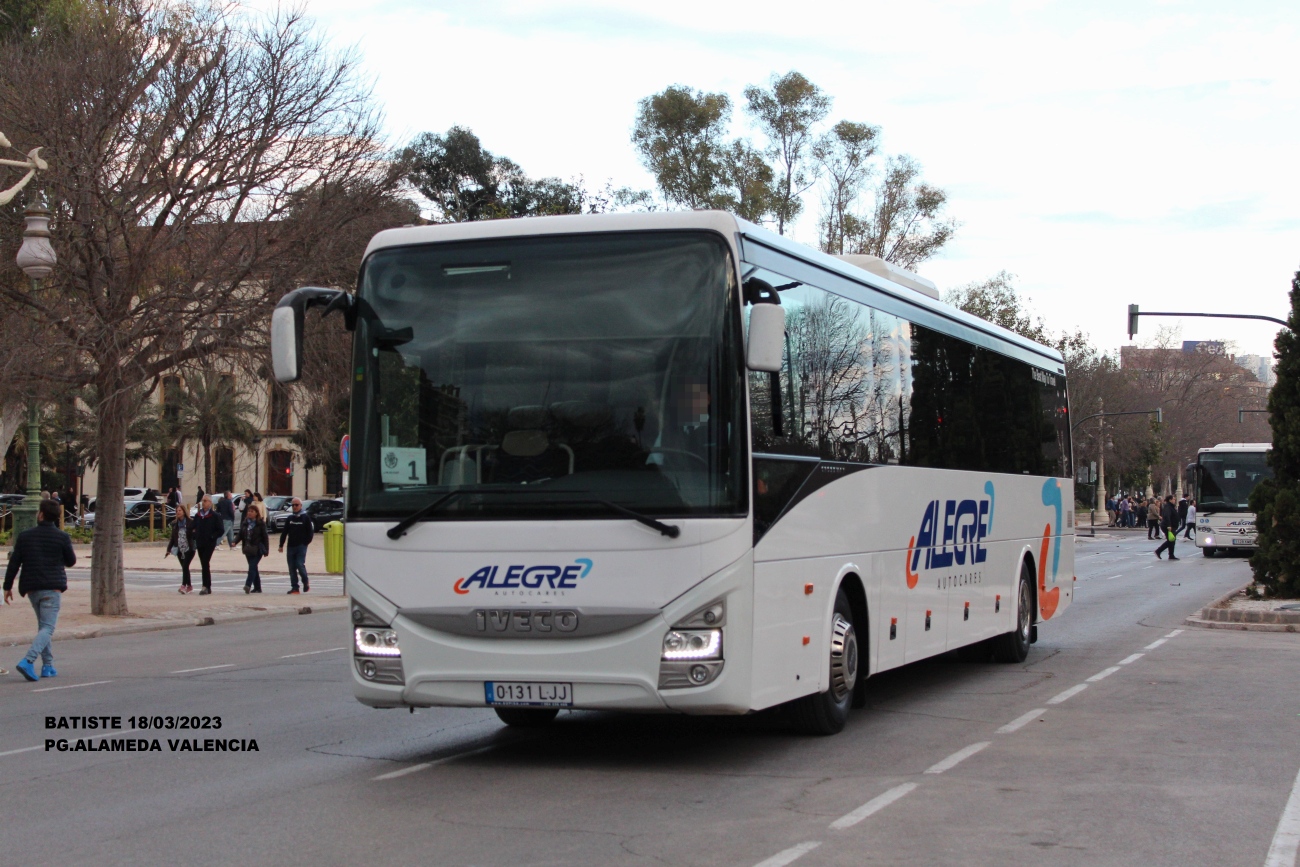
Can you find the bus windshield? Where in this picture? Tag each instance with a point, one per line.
(550, 376)
(1227, 478)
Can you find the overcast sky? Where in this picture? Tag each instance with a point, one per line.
(1105, 153)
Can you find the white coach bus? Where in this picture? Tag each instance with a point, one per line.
(1224, 477)
(675, 462)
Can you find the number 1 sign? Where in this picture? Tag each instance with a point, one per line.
(402, 466)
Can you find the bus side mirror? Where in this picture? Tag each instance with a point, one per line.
(766, 338)
(287, 326)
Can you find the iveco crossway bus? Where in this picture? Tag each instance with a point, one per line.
(675, 462)
(1224, 477)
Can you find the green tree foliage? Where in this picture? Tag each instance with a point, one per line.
(787, 113)
(215, 414)
(465, 181)
(1276, 502)
(679, 135)
(844, 155)
(996, 300)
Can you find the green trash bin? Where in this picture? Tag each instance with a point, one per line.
(334, 547)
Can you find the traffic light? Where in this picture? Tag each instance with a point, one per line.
(1132, 320)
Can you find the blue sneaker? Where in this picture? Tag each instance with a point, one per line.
(48, 671)
(25, 669)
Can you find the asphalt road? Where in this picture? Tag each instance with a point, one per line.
(1125, 738)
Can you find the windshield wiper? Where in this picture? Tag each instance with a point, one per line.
(399, 529)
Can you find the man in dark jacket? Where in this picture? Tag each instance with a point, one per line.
(226, 509)
(298, 530)
(39, 559)
(208, 531)
(1168, 526)
(1182, 513)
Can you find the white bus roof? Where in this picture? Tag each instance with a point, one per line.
(729, 226)
(1238, 447)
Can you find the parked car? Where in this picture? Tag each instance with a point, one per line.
(320, 511)
(137, 514)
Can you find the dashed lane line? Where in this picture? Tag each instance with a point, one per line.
(313, 652)
(1286, 839)
(1133, 657)
(1153, 645)
(1103, 674)
(204, 668)
(1068, 694)
(87, 738)
(875, 805)
(789, 856)
(1174, 633)
(1021, 721)
(392, 775)
(1113, 577)
(71, 686)
(956, 758)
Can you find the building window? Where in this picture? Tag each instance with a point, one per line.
(279, 419)
(169, 477)
(279, 473)
(172, 397)
(223, 468)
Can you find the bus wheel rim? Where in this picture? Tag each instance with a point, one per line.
(844, 658)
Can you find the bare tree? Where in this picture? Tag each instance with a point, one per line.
(844, 155)
(906, 225)
(196, 159)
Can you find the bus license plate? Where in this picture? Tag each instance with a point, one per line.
(528, 694)
(1243, 541)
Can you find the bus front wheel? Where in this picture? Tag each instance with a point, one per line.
(526, 717)
(827, 712)
(1014, 645)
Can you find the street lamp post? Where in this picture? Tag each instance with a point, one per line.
(37, 259)
(257, 444)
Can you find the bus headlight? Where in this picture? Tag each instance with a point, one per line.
(371, 641)
(684, 644)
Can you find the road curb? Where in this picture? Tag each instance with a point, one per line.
(1238, 625)
(161, 625)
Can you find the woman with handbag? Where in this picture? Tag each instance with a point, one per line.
(255, 544)
(183, 544)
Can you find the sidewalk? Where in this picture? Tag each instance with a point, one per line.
(155, 608)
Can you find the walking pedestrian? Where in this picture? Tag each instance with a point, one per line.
(1125, 509)
(1182, 512)
(1140, 519)
(1168, 526)
(298, 529)
(226, 509)
(42, 555)
(173, 497)
(208, 531)
(1190, 521)
(1110, 511)
(1153, 519)
(255, 544)
(182, 543)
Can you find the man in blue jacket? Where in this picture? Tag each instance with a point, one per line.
(298, 530)
(41, 555)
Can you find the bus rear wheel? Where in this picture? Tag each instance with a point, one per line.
(1013, 646)
(826, 713)
(527, 717)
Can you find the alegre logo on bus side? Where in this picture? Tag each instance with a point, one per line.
(952, 533)
(526, 577)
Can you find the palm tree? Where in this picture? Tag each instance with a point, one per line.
(214, 414)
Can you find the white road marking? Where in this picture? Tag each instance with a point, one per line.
(1102, 675)
(112, 734)
(71, 686)
(789, 856)
(956, 758)
(313, 652)
(204, 668)
(392, 775)
(1021, 721)
(1133, 657)
(1153, 645)
(1175, 632)
(1068, 694)
(1113, 577)
(875, 805)
(1286, 839)
(1149, 567)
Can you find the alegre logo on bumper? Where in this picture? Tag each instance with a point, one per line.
(525, 580)
(952, 533)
